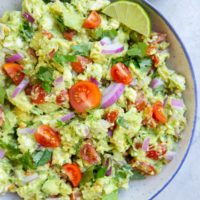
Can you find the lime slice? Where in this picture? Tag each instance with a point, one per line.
(130, 14)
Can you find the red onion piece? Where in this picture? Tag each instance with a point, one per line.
(112, 94)
(26, 130)
(67, 117)
(112, 48)
(2, 153)
(109, 171)
(177, 103)
(94, 80)
(145, 145)
(30, 178)
(170, 155)
(58, 81)
(155, 83)
(105, 41)
(28, 17)
(110, 133)
(20, 87)
(15, 58)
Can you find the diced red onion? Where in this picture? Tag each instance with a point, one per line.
(112, 48)
(145, 145)
(155, 83)
(28, 17)
(26, 130)
(170, 155)
(15, 58)
(112, 94)
(177, 103)
(20, 87)
(94, 80)
(110, 133)
(105, 41)
(58, 81)
(30, 178)
(109, 171)
(67, 117)
(2, 153)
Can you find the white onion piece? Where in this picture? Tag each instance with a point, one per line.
(112, 48)
(20, 87)
(170, 155)
(177, 103)
(28, 17)
(30, 178)
(105, 41)
(58, 81)
(145, 145)
(2, 153)
(15, 58)
(26, 130)
(67, 117)
(112, 94)
(155, 83)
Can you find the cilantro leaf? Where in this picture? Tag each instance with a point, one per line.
(82, 49)
(88, 176)
(2, 95)
(45, 75)
(111, 196)
(26, 31)
(42, 157)
(138, 50)
(27, 161)
(100, 33)
(101, 172)
(122, 122)
(62, 59)
(145, 63)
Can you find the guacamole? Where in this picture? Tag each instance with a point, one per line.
(86, 104)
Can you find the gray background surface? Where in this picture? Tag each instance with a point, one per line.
(184, 15)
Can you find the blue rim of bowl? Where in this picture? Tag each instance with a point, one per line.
(195, 90)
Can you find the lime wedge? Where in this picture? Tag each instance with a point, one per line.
(130, 14)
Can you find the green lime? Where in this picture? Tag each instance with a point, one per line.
(130, 14)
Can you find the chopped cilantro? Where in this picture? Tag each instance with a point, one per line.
(62, 59)
(100, 33)
(101, 172)
(26, 31)
(88, 176)
(2, 95)
(145, 63)
(122, 122)
(138, 50)
(82, 49)
(42, 157)
(27, 161)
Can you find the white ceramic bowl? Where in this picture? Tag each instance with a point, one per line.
(152, 186)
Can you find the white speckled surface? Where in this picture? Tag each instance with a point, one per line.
(184, 15)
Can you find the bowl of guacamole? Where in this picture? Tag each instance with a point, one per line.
(92, 106)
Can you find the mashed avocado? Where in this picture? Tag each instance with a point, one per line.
(86, 104)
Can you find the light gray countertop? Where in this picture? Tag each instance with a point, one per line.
(184, 15)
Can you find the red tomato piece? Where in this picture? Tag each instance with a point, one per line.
(156, 60)
(80, 65)
(121, 74)
(88, 153)
(74, 173)
(93, 20)
(47, 137)
(153, 154)
(84, 95)
(68, 35)
(158, 112)
(15, 72)
(141, 104)
(62, 97)
(156, 154)
(38, 94)
(112, 116)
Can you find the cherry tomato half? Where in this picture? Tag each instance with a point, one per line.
(38, 94)
(15, 72)
(68, 35)
(84, 95)
(62, 97)
(74, 173)
(47, 137)
(93, 20)
(158, 112)
(121, 74)
(80, 65)
(88, 153)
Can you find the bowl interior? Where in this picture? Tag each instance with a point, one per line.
(146, 189)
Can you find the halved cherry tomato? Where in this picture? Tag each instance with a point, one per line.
(47, 137)
(74, 173)
(15, 72)
(68, 35)
(158, 112)
(80, 65)
(121, 74)
(93, 20)
(112, 116)
(47, 34)
(62, 97)
(88, 153)
(84, 95)
(38, 94)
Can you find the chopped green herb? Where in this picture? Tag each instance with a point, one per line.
(82, 49)
(2, 95)
(45, 75)
(145, 63)
(100, 33)
(88, 175)
(122, 122)
(26, 31)
(60, 23)
(62, 59)
(136, 175)
(42, 157)
(111, 196)
(27, 161)
(138, 50)
(101, 172)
